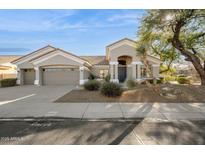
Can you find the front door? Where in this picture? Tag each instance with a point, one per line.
(122, 73)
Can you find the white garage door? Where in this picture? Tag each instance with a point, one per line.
(60, 76)
(29, 76)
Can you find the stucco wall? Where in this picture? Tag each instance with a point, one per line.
(25, 60)
(129, 72)
(58, 59)
(129, 50)
(25, 65)
(96, 69)
(123, 50)
(86, 74)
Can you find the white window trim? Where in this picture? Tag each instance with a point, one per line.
(113, 63)
(136, 63)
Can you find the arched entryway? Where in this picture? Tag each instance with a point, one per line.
(123, 62)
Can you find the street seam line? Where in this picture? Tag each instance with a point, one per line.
(121, 110)
(138, 138)
(85, 111)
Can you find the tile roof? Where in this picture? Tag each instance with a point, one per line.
(96, 60)
(120, 41)
(31, 53)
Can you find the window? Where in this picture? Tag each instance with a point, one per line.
(103, 73)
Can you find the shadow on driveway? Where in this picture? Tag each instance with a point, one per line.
(99, 132)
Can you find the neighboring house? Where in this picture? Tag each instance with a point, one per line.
(7, 69)
(54, 66)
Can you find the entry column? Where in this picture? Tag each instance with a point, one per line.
(114, 71)
(38, 76)
(136, 70)
(20, 76)
(81, 75)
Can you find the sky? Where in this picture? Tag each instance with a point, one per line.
(82, 32)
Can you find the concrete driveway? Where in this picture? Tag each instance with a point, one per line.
(31, 101)
(38, 101)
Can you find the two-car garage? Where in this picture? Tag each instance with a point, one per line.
(52, 66)
(60, 76)
(53, 76)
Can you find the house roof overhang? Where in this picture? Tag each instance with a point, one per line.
(35, 56)
(129, 42)
(32, 54)
(60, 52)
(124, 41)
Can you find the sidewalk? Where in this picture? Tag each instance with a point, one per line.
(156, 111)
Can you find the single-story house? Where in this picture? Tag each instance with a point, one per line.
(54, 66)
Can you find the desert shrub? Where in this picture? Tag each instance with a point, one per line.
(159, 81)
(111, 89)
(8, 82)
(131, 83)
(107, 78)
(92, 77)
(183, 80)
(181, 75)
(171, 71)
(92, 85)
(169, 78)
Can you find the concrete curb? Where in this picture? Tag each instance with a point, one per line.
(72, 119)
(58, 119)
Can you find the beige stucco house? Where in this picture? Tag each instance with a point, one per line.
(54, 66)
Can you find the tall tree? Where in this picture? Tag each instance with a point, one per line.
(158, 45)
(183, 30)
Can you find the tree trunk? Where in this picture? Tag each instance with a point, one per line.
(191, 57)
(194, 60)
(146, 65)
(204, 65)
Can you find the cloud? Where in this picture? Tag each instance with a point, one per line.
(58, 20)
(29, 41)
(125, 18)
(33, 20)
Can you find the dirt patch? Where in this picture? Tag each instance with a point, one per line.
(159, 93)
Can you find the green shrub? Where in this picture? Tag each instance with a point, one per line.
(111, 89)
(159, 81)
(183, 80)
(131, 83)
(171, 70)
(92, 85)
(92, 77)
(107, 78)
(8, 82)
(169, 78)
